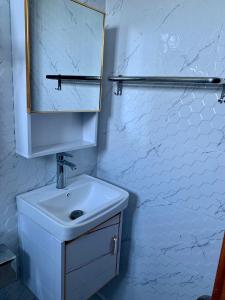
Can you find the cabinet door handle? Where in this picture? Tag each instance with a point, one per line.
(115, 245)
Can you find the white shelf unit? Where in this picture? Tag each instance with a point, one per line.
(56, 133)
(43, 134)
(46, 134)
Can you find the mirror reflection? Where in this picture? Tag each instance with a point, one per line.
(66, 39)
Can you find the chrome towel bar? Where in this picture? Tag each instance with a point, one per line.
(169, 81)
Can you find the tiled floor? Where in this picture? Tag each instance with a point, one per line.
(17, 291)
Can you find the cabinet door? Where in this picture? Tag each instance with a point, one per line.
(91, 262)
(86, 281)
(89, 247)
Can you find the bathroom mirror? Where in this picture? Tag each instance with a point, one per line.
(65, 41)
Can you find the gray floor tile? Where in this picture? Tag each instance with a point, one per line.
(16, 291)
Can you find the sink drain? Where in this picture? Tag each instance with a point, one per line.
(76, 214)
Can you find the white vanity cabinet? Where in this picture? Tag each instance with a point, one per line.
(71, 270)
(91, 260)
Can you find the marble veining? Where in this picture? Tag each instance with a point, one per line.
(66, 38)
(166, 146)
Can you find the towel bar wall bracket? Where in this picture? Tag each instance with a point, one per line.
(221, 99)
(169, 81)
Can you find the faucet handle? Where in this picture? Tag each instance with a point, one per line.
(65, 154)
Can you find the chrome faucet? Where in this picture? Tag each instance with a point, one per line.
(61, 162)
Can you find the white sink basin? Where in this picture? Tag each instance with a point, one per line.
(51, 208)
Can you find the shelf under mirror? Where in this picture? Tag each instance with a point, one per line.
(62, 132)
(38, 151)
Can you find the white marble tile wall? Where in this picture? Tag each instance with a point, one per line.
(99, 4)
(166, 146)
(17, 174)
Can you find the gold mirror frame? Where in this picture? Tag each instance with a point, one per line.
(28, 64)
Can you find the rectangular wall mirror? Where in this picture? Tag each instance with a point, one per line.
(65, 41)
